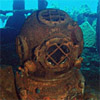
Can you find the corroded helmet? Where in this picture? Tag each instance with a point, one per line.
(49, 46)
(50, 38)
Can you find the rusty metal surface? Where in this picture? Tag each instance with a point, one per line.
(49, 46)
(7, 84)
(67, 86)
(56, 54)
(34, 31)
(22, 47)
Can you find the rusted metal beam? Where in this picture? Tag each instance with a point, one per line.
(18, 4)
(13, 11)
(42, 4)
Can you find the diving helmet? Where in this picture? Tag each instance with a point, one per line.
(49, 46)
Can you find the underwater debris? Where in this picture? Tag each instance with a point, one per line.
(89, 34)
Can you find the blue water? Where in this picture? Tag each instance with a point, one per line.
(66, 5)
(62, 4)
(73, 4)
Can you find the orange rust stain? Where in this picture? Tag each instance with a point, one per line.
(46, 98)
